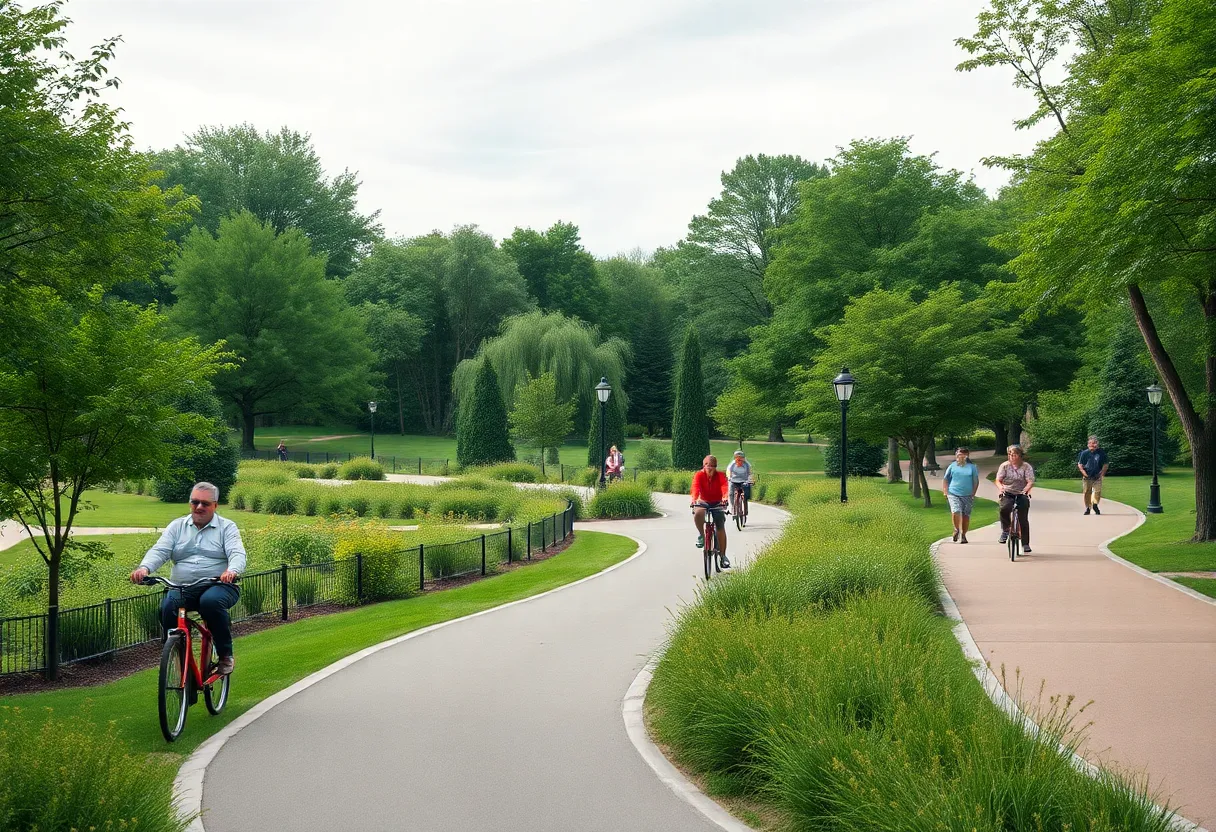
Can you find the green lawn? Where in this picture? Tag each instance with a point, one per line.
(273, 659)
(787, 457)
(984, 512)
(1161, 544)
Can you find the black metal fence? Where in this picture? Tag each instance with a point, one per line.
(117, 624)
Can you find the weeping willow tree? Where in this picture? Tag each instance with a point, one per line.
(539, 342)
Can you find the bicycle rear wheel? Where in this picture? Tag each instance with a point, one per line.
(1015, 540)
(173, 698)
(710, 556)
(216, 694)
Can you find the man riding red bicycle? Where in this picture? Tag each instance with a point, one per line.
(709, 493)
(200, 545)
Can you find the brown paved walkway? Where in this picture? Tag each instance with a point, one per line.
(1144, 653)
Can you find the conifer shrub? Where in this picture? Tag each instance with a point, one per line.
(482, 429)
(689, 424)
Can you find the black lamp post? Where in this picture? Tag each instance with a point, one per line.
(843, 385)
(602, 391)
(372, 407)
(1154, 490)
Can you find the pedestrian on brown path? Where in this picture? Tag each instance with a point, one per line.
(1092, 464)
(959, 484)
(1014, 482)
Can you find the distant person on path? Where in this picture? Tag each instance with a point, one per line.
(281, 451)
(615, 464)
(201, 545)
(1014, 481)
(739, 472)
(1092, 464)
(959, 484)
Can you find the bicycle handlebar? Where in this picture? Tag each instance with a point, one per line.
(153, 580)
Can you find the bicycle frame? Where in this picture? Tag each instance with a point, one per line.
(192, 665)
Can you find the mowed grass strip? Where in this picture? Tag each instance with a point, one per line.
(274, 659)
(1162, 544)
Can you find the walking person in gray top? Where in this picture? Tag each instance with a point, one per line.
(200, 545)
(1092, 465)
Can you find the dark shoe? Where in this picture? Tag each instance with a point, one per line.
(1087, 512)
(964, 539)
(725, 563)
(1097, 510)
(1026, 549)
(700, 541)
(1004, 537)
(955, 537)
(225, 665)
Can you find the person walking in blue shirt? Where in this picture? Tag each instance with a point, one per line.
(959, 484)
(1092, 464)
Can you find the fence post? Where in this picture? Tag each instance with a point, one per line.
(51, 645)
(563, 467)
(358, 577)
(510, 552)
(110, 626)
(283, 588)
(420, 466)
(308, 457)
(528, 551)
(542, 536)
(421, 562)
(635, 474)
(483, 555)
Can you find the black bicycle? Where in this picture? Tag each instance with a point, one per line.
(1014, 541)
(713, 560)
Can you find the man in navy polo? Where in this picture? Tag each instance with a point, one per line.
(1092, 464)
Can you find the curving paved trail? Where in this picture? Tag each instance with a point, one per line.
(509, 721)
(1143, 652)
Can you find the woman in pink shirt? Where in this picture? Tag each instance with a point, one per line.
(1014, 481)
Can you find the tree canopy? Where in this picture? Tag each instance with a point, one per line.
(539, 418)
(561, 276)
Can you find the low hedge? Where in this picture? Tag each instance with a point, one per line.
(511, 472)
(622, 500)
(823, 681)
(361, 468)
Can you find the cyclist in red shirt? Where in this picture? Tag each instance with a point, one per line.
(709, 493)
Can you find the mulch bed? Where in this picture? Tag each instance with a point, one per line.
(141, 657)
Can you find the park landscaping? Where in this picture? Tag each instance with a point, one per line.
(821, 688)
(121, 715)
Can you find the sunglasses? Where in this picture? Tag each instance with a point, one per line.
(201, 503)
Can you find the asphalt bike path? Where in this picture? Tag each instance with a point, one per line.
(1081, 624)
(508, 721)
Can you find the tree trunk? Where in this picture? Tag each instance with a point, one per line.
(246, 427)
(774, 432)
(52, 628)
(542, 461)
(1002, 438)
(894, 474)
(931, 455)
(914, 463)
(1015, 432)
(925, 483)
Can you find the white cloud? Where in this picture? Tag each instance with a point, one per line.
(616, 116)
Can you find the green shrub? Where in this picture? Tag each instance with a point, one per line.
(361, 468)
(622, 499)
(329, 471)
(512, 472)
(303, 584)
(384, 562)
(359, 504)
(634, 431)
(441, 560)
(211, 457)
(332, 504)
(306, 472)
(281, 502)
(570, 495)
(291, 542)
(310, 503)
(65, 773)
(652, 456)
(238, 498)
(664, 481)
(255, 501)
(255, 592)
(84, 634)
(759, 491)
(465, 504)
(865, 459)
(482, 432)
(385, 507)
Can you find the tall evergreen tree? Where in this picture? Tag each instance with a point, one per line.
(614, 430)
(482, 436)
(1122, 418)
(689, 426)
(650, 374)
(210, 456)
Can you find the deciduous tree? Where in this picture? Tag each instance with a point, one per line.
(740, 412)
(541, 419)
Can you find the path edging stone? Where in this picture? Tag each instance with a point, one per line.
(1104, 548)
(188, 785)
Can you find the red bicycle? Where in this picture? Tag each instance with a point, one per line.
(181, 669)
(713, 558)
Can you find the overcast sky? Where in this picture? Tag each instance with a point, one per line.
(617, 115)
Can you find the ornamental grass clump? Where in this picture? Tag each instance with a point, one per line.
(361, 468)
(823, 681)
(66, 773)
(622, 500)
(512, 472)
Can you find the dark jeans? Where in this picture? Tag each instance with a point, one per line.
(212, 603)
(746, 486)
(1023, 506)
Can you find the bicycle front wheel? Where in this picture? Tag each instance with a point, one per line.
(174, 696)
(709, 549)
(216, 694)
(1015, 543)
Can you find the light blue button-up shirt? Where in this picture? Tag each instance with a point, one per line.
(198, 553)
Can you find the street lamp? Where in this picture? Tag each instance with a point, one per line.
(843, 385)
(372, 407)
(1154, 490)
(602, 391)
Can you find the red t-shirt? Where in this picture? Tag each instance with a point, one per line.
(709, 490)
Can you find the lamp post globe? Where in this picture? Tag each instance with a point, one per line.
(603, 391)
(842, 385)
(1154, 491)
(371, 406)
